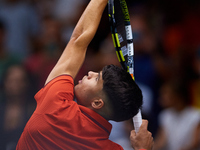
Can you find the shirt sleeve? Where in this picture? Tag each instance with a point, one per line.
(60, 88)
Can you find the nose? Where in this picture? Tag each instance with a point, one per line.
(91, 74)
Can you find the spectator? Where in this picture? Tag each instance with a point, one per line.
(195, 84)
(16, 108)
(49, 48)
(21, 24)
(5, 59)
(179, 123)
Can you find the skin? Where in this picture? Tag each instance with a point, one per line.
(89, 90)
(169, 99)
(143, 139)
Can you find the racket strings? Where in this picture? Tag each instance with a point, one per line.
(120, 26)
(121, 32)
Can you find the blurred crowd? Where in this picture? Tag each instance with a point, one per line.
(33, 34)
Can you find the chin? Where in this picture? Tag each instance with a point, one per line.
(76, 87)
(75, 90)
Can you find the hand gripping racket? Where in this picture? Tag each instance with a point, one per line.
(121, 30)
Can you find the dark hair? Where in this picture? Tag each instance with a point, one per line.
(2, 26)
(122, 91)
(180, 89)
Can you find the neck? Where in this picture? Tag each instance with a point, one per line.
(179, 107)
(105, 113)
(105, 116)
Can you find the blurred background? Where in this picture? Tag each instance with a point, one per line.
(33, 34)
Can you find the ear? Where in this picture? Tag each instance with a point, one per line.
(97, 104)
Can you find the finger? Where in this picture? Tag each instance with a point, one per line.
(144, 124)
(133, 133)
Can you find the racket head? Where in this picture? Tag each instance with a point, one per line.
(121, 30)
(123, 41)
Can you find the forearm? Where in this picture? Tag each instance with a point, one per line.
(88, 23)
(74, 53)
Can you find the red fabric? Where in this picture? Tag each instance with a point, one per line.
(60, 123)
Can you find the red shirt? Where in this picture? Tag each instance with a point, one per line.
(60, 123)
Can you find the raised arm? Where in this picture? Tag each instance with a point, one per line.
(74, 54)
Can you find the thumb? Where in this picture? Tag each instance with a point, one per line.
(133, 134)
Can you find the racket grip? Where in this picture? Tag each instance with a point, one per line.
(137, 121)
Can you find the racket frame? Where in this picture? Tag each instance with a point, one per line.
(129, 65)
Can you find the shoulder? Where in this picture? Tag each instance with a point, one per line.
(192, 114)
(166, 113)
(166, 116)
(59, 79)
(61, 87)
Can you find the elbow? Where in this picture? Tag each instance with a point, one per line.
(82, 40)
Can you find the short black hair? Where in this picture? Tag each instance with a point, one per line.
(180, 88)
(2, 25)
(123, 93)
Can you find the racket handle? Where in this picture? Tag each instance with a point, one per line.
(137, 121)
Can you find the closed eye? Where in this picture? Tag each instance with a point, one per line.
(97, 79)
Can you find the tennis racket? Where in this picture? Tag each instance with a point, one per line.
(121, 30)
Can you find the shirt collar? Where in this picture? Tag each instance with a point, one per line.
(96, 118)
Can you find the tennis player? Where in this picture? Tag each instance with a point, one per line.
(60, 123)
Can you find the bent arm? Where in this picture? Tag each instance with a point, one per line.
(74, 54)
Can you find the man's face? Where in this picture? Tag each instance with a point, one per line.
(89, 88)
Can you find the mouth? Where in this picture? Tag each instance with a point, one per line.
(80, 81)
